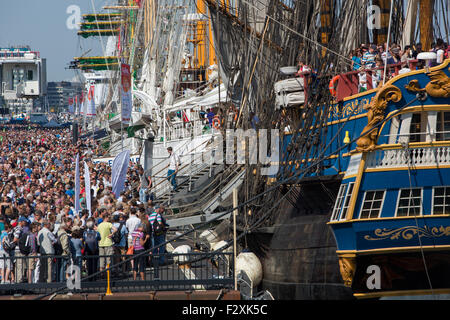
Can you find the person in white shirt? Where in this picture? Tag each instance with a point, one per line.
(439, 49)
(132, 223)
(174, 162)
(440, 56)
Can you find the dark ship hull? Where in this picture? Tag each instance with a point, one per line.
(298, 253)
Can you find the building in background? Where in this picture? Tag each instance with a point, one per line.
(59, 93)
(23, 78)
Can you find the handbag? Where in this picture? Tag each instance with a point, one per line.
(130, 250)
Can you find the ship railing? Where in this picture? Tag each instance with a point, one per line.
(182, 130)
(40, 274)
(415, 156)
(348, 83)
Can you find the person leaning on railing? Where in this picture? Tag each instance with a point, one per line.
(120, 247)
(90, 240)
(159, 228)
(5, 256)
(63, 260)
(20, 260)
(139, 239)
(32, 262)
(46, 241)
(106, 229)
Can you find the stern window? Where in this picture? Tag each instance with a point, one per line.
(337, 205)
(409, 202)
(372, 204)
(342, 202)
(441, 200)
(443, 126)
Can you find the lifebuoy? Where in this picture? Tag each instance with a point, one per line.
(332, 85)
(216, 122)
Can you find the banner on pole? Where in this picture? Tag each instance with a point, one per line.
(119, 172)
(77, 184)
(87, 188)
(91, 102)
(127, 102)
(71, 110)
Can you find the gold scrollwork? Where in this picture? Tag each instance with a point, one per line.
(407, 233)
(375, 114)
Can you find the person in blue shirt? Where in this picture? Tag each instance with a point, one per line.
(210, 115)
(69, 191)
(77, 246)
(254, 120)
(28, 171)
(356, 59)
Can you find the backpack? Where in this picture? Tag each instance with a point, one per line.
(158, 227)
(117, 236)
(8, 242)
(25, 244)
(90, 238)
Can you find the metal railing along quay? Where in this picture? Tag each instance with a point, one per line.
(173, 272)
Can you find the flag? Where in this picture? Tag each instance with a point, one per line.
(87, 188)
(119, 172)
(90, 110)
(185, 118)
(127, 102)
(70, 105)
(77, 185)
(84, 107)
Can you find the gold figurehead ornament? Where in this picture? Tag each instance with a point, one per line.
(438, 87)
(347, 267)
(375, 115)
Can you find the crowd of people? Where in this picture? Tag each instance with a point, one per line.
(372, 56)
(371, 59)
(42, 235)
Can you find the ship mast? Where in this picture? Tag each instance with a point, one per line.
(426, 8)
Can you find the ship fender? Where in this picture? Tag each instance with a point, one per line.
(209, 237)
(250, 264)
(218, 246)
(178, 253)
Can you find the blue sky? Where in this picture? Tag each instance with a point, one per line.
(41, 24)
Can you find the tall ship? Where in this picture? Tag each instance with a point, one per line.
(357, 204)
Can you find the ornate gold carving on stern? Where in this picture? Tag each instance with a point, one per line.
(407, 233)
(438, 87)
(347, 267)
(376, 114)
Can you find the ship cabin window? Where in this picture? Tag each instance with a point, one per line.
(30, 75)
(372, 204)
(347, 200)
(409, 202)
(443, 126)
(441, 200)
(415, 129)
(342, 201)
